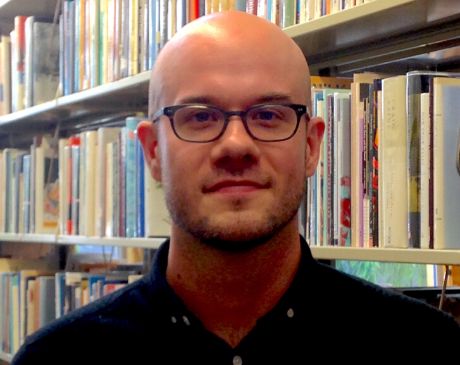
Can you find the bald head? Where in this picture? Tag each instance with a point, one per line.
(233, 41)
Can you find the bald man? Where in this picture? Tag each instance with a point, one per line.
(232, 140)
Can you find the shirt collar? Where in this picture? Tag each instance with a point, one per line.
(173, 306)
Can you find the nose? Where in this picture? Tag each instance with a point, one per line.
(235, 150)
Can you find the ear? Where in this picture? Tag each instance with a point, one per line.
(315, 133)
(148, 136)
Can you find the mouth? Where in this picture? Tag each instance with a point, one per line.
(235, 186)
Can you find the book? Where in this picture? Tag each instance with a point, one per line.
(131, 191)
(75, 152)
(26, 196)
(47, 307)
(63, 176)
(90, 181)
(5, 64)
(46, 187)
(342, 110)
(393, 142)
(19, 28)
(446, 133)
(105, 135)
(42, 61)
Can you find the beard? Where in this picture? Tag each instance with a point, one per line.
(238, 230)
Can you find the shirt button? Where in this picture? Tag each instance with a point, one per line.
(173, 319)
(186, 321)
(290, 313)
(237, 360)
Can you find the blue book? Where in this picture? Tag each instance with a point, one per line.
(76, 52)
(60, 301)
(140, 172)
(131, 206)
(153, 51)
(92, 286)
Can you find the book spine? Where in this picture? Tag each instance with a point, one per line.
(131, 206)
(75, 189)
(26, 197)
(122, 190)
(152, 33)
(20, 23)
(124, 41)
(140, 190)
(6, 70)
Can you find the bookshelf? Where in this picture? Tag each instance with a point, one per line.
(377, 36)
(78, 110)
(414, 256)
(374, 34)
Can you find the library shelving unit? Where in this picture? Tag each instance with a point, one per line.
(387, 35)
(392, 36)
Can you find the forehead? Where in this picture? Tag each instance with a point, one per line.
(232, 67)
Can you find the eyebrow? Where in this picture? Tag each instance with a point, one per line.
(268, 98)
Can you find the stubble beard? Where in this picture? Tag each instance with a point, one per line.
(242, 231)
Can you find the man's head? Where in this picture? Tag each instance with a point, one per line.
(234, 192)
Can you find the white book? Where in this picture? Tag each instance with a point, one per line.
(157, 219)
(446, 133)
(89, 198)
(395, 158)
(64, 155)
(425, 168)
(105, 136)
(5, 64)
(81, 184)
(343, 187)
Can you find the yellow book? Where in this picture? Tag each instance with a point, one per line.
(134, 38)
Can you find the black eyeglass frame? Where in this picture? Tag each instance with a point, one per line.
(169, 111)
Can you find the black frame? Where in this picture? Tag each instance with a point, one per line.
(169, 111)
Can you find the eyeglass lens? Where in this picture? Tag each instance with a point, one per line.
(201, 123)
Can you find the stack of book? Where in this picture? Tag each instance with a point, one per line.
(389, 171)
(91, 184)
(94, 42)
(32, 295)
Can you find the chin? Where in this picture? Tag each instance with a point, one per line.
(241, 235)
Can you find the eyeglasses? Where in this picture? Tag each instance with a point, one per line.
(206, 123)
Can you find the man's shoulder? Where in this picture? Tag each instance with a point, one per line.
(386, 307)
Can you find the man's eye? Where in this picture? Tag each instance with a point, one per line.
(266, 115)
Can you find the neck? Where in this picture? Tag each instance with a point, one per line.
(227, 291)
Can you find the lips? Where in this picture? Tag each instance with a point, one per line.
(235, 185)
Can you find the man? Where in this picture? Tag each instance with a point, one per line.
(232, 141)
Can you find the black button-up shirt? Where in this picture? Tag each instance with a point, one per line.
(324, 314)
